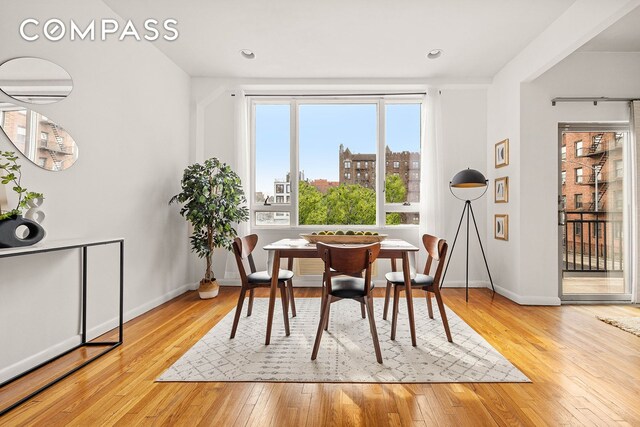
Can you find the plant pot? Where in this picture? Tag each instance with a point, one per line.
(208, 289)
(9, 238)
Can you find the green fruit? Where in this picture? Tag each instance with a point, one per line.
(375, 233)
(322, 233)
(350, 233)
(330, 233)
(314, 234)
(339, 233)
(368, 233)
(359, 233)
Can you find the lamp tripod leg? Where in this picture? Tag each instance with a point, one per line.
(466, 274)
(453, 246)
(481, 248)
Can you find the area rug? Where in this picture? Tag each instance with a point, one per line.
(346, 351)
(629, 324)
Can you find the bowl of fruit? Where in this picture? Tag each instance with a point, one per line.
(340, 236)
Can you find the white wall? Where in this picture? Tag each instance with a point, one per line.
(521, 260)
(129, 115)
(464, 130)
(531, 271)
(581, 74)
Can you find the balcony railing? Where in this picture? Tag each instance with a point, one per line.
(594, 245)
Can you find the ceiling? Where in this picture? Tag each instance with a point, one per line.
(623, 36)
(346, 38)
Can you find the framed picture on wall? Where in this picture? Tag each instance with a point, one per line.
(501, 190)
(502, 153)
(501, 227)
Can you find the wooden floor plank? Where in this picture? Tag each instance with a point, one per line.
(583, 371)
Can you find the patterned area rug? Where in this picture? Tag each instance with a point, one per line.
(629, 324)
(346, 351)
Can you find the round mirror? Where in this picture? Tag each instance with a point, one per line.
(34, 80)
(41, 140)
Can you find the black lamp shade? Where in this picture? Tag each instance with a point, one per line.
(468, 178)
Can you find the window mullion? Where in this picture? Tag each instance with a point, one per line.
(380, 166)
(294, 175)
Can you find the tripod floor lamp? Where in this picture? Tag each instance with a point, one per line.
(468, 178)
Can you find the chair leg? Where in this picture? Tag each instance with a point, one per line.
(326, 320)
(362, 310)
(250, 308)
(325, 314)
(285, 307)
(443, 314)
(429, 306)
(394, 315)
(368, 301)
(292, 300)
(236, 318)
(387, 295)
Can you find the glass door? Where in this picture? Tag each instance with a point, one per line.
(592, 215)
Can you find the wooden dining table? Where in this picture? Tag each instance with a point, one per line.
(299, 248)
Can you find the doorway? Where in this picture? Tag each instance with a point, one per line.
(593, 222)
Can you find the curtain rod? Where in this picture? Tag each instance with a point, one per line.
(332, 94)
(595, 100)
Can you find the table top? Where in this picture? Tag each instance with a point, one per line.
(303, 245)
(56, 245)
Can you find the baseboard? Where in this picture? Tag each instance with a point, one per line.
(31, 361)
(300, 282)
(525, 299)
(462, 284)
(135, 312)
(519, 299)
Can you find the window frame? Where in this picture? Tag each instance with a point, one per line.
(294, 102)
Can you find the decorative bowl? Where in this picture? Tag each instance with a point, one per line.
(343, 238)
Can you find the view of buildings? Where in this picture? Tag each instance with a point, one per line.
(39, 139)
(354, 169)
(359, 168)
(592, 197)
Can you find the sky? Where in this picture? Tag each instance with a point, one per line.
(322, 128)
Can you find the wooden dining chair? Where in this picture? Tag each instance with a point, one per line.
(349, 261)
(243, 248)
(436, 251)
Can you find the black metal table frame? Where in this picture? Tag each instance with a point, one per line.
(84, 343)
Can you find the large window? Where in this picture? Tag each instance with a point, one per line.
(347, 171)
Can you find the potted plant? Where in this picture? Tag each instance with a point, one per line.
(11, 175)
(212, 201)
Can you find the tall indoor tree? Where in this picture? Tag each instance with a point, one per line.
(213, 202)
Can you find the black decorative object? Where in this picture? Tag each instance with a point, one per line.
(468, 178)
(9, 227)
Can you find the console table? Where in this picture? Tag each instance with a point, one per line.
(55, 246)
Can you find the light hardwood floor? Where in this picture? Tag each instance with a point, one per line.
(584, 372)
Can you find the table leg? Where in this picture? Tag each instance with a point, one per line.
(292, 300)
(409, 296)
(272, 293)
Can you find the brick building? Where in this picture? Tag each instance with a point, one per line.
(360, 168)
(323, 185)
(592, 191)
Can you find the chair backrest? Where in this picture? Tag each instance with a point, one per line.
(242, 248)
(436, 251)
(350, 260)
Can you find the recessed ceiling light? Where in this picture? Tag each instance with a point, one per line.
(247, 54)
(434, 53)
